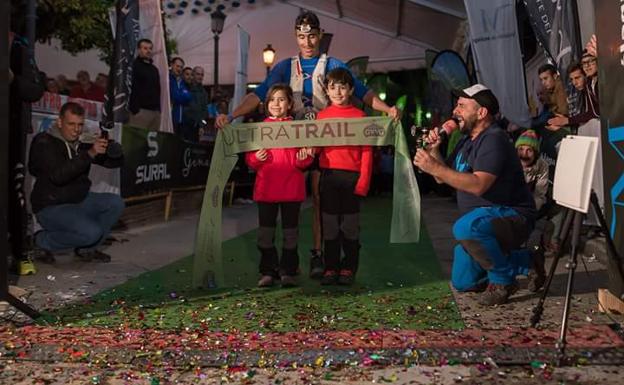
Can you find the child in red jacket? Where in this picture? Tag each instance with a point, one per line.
(279, 186)
(345, 177)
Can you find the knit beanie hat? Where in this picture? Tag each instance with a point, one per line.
(528, 138)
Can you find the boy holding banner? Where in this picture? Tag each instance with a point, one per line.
(345, 177)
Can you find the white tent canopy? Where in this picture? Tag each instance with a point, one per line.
(393, 33)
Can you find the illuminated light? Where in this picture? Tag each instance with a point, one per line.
(382, 95)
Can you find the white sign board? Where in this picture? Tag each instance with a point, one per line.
(574, 172)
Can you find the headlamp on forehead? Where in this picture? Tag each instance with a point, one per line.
(305, 28)
(307, 22)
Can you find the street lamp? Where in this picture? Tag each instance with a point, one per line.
(268, 56)
(217, 19)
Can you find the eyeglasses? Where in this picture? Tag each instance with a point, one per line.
(588, 62)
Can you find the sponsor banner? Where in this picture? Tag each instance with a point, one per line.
(126, 33)
(52, 103)
(555, 27)
(498, 60)
(372, 131)
(610, 78)
(156, 161)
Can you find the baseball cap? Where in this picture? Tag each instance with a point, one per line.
(480, 94)
(306, 22)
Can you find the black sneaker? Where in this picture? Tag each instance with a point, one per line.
(330, 277)
(288, 281)
(316, 264)
(42, 255)
(92, 255)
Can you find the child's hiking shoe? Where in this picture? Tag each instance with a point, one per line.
(346, 277)
(266, 281)
(330, 277)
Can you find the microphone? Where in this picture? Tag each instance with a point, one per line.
(447, 128)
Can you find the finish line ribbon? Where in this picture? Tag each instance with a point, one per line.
(370, 131)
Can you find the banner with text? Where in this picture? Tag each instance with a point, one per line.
(611, 77)
(155, 161)
(51, 104)
(555, 27)
(498, 60)
(126, 33)
(372, 131)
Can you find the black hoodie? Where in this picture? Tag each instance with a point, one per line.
(62, 170)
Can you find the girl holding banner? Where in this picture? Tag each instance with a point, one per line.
(279, 186)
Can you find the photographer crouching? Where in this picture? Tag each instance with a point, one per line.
(71, 216)
(498, 211)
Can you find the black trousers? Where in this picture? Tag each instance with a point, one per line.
(341, 219)
(270, 263)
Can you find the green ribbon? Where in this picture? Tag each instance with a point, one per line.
(370, 131)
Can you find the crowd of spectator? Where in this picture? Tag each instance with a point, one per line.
(193, 107)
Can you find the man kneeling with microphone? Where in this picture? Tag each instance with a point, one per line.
(72, 217)
(498, 211)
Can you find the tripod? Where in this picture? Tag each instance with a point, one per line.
(573, 219)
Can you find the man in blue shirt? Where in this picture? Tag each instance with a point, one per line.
(305, 74)
(498, 211)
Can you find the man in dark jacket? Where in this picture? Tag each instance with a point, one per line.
(71, 216)
(144, 103)
(197, 110)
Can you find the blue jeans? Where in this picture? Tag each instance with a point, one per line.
(78, 225)
(489, 247)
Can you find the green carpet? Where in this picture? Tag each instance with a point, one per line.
(397, 286)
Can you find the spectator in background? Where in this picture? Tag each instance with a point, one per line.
(197, 110)
(62, 83)
(27, 85)
(144, 102)
(536, 176)
(101, 80)
(52, 86)
(591, 108)
(180, 96)
(576, 102)
(187, 76)
(86, 89)
(552, 95)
